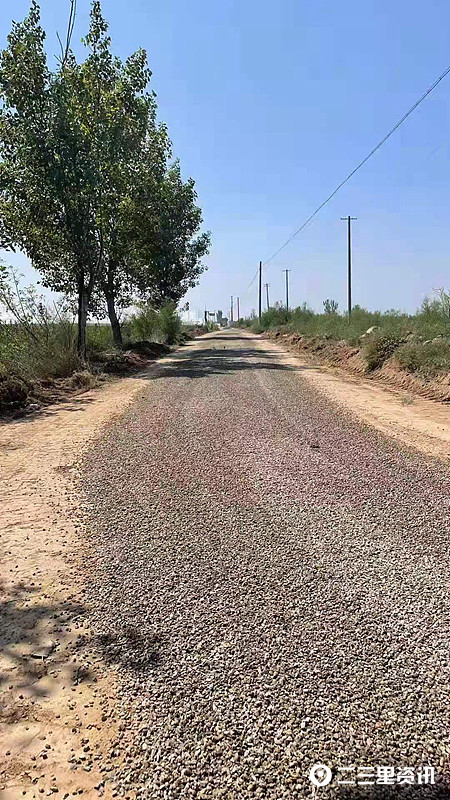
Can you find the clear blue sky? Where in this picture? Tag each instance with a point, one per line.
(269, 105)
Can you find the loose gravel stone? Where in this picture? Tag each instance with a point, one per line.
(271, 581)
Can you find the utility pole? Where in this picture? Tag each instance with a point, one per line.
(238, 312)
(349, 269)
(260, 291)
(266, 285)
(287, 271)
(231, 309)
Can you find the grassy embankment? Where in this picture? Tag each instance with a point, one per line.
(418, 344)
(39, 362)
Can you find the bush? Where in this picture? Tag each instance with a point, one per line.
(419, 342)
(428, 359)
(49, 353)
(191, 329)
(13, 393)
(169, 323)
(81, 380)
(40, 339)
(256, 327)
(144, 326)
(330, 306)
(379, 349)
(430, 321)
(99, 338)
(164, 325)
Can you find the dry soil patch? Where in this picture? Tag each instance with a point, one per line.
(56, 719)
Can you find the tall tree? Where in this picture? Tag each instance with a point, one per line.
(129, 129)
(119, 277)
(69, 142)
(168, 247)
(48, 183)
(84, 186)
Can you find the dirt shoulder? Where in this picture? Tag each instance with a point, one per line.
(20, 396)
(352, 360)
(57, 723)
(411, 419)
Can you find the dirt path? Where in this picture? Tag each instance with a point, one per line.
(55, 732)
(58, 722)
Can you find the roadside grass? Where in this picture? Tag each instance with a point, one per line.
(42, 351)
(38, 353)
(428, 359)
(418, 343)
(426, 325)
(379, 348)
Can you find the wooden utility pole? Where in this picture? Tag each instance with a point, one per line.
(349, 266)
(287, 271)
(238, 312)
(260, 291)
(266, 285)
(231, 309)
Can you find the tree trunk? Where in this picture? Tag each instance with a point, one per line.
(115, 324)
(83, 302)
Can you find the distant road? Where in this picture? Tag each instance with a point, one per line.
(274, 580)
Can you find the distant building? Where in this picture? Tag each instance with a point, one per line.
(221, 320)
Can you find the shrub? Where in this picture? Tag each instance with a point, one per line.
(99, 338)
(164, 325)
(330, 306)
(430, 322)
(39, 341)
(191, 330)
(13, 393)
(256, 327)
(379, 349)
(81, 380)
(169, 323)
(144, 324)
(48, 353)
(428, 359)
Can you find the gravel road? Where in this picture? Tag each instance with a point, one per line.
(271, 580)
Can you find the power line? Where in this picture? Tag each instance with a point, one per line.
(252, 280)
(372, 152)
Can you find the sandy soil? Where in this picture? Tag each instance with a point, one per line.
(57, 721)
(351, 362)
(55, 728)
(414, 421)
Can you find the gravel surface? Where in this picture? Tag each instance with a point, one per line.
(271, 580)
